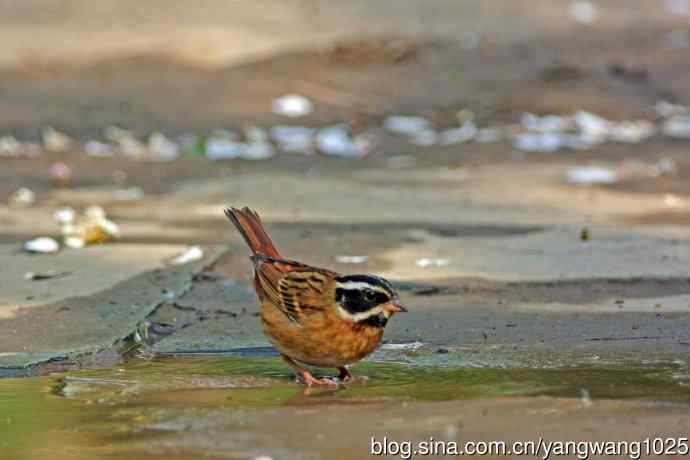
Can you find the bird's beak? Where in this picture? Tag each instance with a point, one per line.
(394, 306)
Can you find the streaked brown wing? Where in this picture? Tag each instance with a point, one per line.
(296, 289)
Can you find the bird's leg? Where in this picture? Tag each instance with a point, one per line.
(306, 376)
(344, 375)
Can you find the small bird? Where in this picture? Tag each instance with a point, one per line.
(312, 315)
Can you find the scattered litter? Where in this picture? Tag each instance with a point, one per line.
(292, 105)
(665, 109)
(116, 134)
(31, 276)
(352, 259)
(675, 202)
(258, 151)
(538, 142)
(42, 245)
(192, 254)
(64, 216)
(99, 149)
(21, 198)
(55, 141)
(402, 346)
(592, 126)
(583, 12)
(632, 132)
(93, 227)
(426, 262)
(406, 125)
(464, 133)
(590, 175)
(294, 138)
(336, 140)
(161, 148)
(223, 149)
(9, 146)
(61, 174)
(677, 126)
(424, 138)
(545, 124)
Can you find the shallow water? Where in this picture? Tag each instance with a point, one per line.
(240, 407)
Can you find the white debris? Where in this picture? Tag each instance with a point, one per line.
(131, 147)
(675, 202)
(583, 12)
(632, 132)
(352, 259)
(99, 149)
(464, 133)
(402, 346)
(545, 124)
(255, 135)
(678, 7)
(93, 227)
(9, 146)
(336, 140)
(590, 175)
(257, 151)
(537, 142)
(424, 138)
(426, 262)
(294, 138)
(55, 141)
(43, 245)
(665, 109)
(21, 198)
(192, 254)
(292, 105)
(223, 149)
(161, 148)
(116, 134)
(591, 126)
(406, 125)
(677, 126)
(64, 216)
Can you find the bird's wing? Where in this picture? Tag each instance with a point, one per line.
(296, 289)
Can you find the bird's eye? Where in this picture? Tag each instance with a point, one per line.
(369, 295)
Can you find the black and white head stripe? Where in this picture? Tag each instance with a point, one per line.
(360, 297)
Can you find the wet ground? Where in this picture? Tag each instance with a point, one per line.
(526, 329)
(246, 407)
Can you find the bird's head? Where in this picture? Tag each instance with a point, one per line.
(366, 299)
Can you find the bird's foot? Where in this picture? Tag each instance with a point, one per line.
(309, 380)
(344, 375)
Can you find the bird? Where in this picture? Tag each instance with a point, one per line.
(311, 315)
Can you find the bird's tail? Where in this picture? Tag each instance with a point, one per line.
(249, 225)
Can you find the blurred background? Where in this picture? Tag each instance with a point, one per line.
(519, 169)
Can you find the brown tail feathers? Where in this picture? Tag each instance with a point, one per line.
(249, 225)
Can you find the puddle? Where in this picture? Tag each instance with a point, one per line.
(240, 407)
